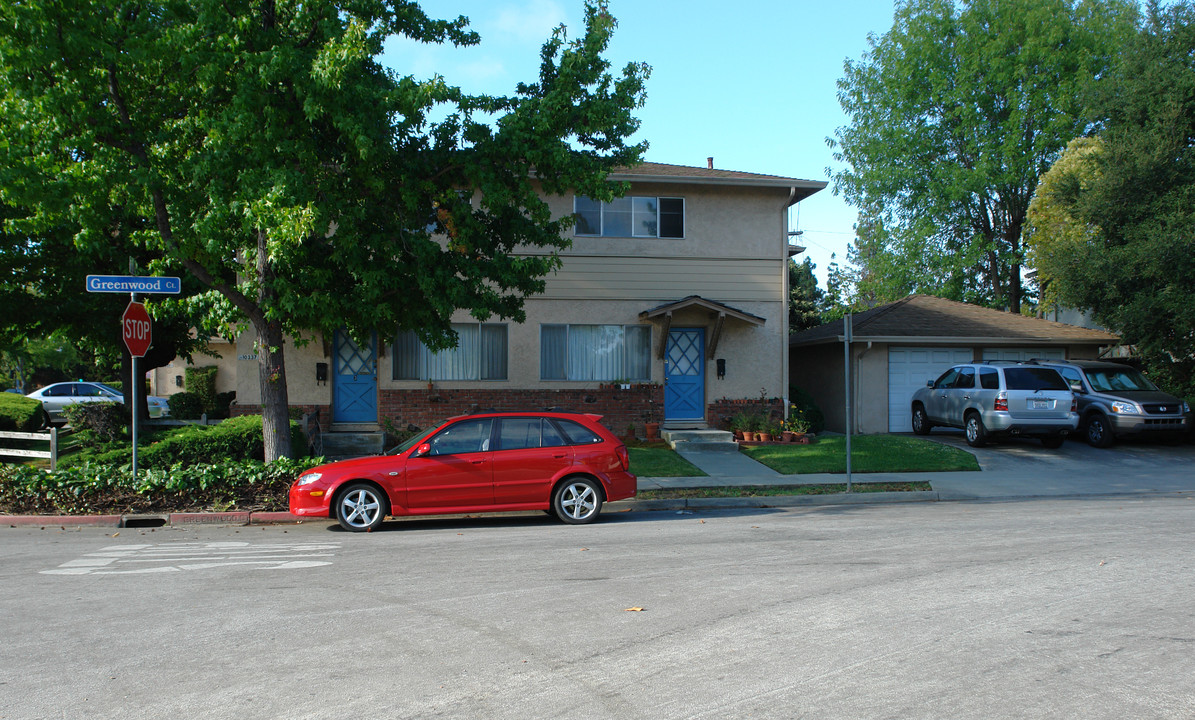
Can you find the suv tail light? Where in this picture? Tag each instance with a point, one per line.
(1074, 405)
(624, 456)
(1001, 402)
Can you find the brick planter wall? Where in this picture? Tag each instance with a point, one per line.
(719, 412)
(325, 412)
(617, 407)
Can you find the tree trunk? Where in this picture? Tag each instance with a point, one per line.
(275, 404)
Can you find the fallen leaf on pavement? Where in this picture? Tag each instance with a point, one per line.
(634, 609)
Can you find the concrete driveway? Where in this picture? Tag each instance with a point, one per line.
(1024, 468)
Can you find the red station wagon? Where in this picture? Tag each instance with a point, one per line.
(493, 462)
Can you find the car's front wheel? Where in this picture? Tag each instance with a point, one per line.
(921, 423)
(977, 434)
(361, 508)
(1099, 435)
(577, 501)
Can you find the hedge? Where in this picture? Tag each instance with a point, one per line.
(235, 439)
(20, 414)
(104, 489)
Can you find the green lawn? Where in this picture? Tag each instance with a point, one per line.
(661, 461)
(869, 453)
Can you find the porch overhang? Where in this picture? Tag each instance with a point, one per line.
(718, 315)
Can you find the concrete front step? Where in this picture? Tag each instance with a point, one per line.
(352, 444)
(701, 440)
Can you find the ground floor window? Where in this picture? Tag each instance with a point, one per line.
(595, 352)
(481, 354)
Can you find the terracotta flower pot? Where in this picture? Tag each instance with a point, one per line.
(652, 430)
(788, 436)
(765, 437)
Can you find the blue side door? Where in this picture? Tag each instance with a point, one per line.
(684, 375)
(355, 381)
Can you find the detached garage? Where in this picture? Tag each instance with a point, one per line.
(897, 347)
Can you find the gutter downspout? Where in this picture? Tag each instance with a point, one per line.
(785, 379)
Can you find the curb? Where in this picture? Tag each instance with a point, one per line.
(776, 501)
(153, 519)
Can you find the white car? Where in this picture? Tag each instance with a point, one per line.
(59, 395)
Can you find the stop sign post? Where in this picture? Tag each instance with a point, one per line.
(136, 329)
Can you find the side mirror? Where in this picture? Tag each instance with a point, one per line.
(424, 449)
(929, 383)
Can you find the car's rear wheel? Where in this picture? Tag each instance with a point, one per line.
(1053, 442)
(1098, 433)
(977, 434)
(577, 501)
(921, 423)
(361, 508)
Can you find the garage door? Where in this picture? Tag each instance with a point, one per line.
(1019, 354)
(908, 369)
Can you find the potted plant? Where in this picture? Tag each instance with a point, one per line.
(629, 433)
(651, 428)
(739, 424)
(796, 425)
(765, 431)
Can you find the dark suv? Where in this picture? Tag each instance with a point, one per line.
(1118, 401)
(998, 398)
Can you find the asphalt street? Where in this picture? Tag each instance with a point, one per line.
(1048, 608)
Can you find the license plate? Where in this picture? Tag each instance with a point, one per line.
(1041, 405)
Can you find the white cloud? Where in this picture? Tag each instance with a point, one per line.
(529, 22)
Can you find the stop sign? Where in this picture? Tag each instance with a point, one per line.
(135, 329)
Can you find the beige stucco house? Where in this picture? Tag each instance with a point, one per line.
(669, 306)
(897, 347)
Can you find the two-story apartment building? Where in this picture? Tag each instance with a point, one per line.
(669, 306)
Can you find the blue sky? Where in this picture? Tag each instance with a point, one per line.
(750, 83)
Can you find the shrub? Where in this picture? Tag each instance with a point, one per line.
(186, 406)
(808, 408)
(201, 381)
(20, 414)
(236, 439)
(97, 488)
(109, 421)
(223, 401)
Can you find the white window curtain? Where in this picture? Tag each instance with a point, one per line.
(480, 354)
(595, 352)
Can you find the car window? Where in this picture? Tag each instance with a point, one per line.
(947, 378)
(1072, 378)
(1033, 378)
(466, 436)
(63, 390)
(989, 379)
(965, 379)
(89, 390)
(519, 433)
(578, 434)
(1118, 379)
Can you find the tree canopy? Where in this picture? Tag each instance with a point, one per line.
(1114, 219)
(259, 147)
(953, 116)
(805, 299)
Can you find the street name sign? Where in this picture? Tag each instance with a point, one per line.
(133, 284)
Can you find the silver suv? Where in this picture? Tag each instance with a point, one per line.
(1116, 401)
(998, 398)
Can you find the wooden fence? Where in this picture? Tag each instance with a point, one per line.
(53, 435)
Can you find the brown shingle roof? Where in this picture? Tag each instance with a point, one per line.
(924, 318)
(661, 172)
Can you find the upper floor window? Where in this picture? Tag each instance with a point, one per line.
(480, 354)
(635, 216)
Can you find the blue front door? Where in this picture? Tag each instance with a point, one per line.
(684, 375)
(355, 381)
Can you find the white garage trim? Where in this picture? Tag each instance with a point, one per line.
(1020, 354)
(908, 369)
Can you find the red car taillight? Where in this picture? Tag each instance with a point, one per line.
(624, 456)
(1001, 402)
(1074, 405)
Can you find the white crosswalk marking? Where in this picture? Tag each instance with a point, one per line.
(178, 557)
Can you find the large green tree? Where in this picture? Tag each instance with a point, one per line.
(1114, 220)
(259, 147)
(953, 115)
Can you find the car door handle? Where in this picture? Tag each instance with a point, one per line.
(477, 462)
(558, 457)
